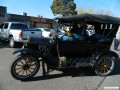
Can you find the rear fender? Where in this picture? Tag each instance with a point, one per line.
(106, 52)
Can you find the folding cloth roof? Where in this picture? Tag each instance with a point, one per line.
(90, 18)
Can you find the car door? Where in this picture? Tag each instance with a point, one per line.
(77, 48)
(71, 48)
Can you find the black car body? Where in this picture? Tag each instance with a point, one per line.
(87, 51)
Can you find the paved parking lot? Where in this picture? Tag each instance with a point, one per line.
(74, 79)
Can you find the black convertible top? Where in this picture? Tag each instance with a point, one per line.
(90, 18)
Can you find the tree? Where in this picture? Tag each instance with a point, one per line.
(83, 10)
(63, 7)
(92, 11)
(104, 12)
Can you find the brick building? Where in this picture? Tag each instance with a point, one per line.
(33, 22)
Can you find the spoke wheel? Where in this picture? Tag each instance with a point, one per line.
(104, 65)
(25, 66)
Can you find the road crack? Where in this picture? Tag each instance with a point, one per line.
(98, 86)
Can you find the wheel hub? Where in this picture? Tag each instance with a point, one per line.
(26, 67)
(105, 65)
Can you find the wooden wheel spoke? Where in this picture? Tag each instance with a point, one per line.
(20, 71)
(19, 65)
(29, 71)
(108, 64)
(100, 68)
(103, 61)
(26, 60)
(32, 64)
(18, 68)
(26, 72)
(107, 69)
(22, 62)
(32, 68)
(104, 70)
(23, 72)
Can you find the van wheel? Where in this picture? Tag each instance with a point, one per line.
(12, 43)
(104, 65)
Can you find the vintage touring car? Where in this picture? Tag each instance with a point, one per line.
(87, 51)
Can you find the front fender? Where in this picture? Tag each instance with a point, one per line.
(50, 60)
(29, 51)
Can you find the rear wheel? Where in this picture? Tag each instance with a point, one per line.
(12, 43)
(104, 65)
(24, 67)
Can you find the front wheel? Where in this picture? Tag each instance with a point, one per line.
(104, 65)
(24, 67)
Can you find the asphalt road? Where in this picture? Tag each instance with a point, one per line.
(73, 79)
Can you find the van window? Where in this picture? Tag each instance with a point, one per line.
(1, 26)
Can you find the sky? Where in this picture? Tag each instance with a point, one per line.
(42, 7)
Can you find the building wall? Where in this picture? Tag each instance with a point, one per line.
(2, 19)
(33, 22)
(3, 12)
(42, 25)
(41, 22)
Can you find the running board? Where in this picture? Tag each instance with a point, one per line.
(83, 64)
(79, 62)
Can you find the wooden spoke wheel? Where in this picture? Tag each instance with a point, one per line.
(25, 66)
(104, 65)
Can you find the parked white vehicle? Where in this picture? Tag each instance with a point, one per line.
(15, 32)
(45, 31)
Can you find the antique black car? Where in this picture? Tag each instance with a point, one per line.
(91, 50)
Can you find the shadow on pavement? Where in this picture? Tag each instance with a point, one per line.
(4, 44)
(117, 68)
(74, 72)
(81, 72)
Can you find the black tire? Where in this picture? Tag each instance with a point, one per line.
(12, 43)
(24, 67)
(104, 65)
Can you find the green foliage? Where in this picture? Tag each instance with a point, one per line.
(104, 12)
(92, 11)
(63, 7)
(82, 10)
